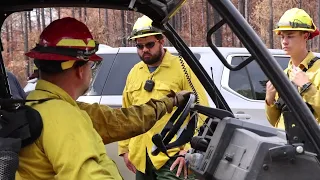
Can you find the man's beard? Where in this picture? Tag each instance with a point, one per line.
(153, 58)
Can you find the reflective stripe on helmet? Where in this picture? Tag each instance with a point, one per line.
(67, 64)
(76, 43)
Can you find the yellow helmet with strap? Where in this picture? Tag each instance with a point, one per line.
(143, 28)
(296, 19)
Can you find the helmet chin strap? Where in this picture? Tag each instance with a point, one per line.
(83, 54)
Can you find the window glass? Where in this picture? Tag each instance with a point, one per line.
(251, 81)
(119, 72)
(100, 73)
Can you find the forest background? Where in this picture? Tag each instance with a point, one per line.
(21, 31)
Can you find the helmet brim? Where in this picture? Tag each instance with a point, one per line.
(144, 35)
(313, 33)
(58, 57)
(292, 29)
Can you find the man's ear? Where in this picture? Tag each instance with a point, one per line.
(162, 41)
(80, 72)
(306, 35)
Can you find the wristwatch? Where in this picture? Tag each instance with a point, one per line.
(305, 87)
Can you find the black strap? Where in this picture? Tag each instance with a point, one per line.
(310, 64)
(73, 52)
(22, 101)
(22, 122)
(280, 104)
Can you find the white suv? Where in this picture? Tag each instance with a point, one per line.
(244, 90)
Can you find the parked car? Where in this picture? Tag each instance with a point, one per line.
(244, 90)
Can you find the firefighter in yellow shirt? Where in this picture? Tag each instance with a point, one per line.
(295, 28)
(71, 144)
(157, 74)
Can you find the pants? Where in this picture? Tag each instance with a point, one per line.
(163, 173)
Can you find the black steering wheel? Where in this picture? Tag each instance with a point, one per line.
(161, 140)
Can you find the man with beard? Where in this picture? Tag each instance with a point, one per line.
(295, 28)
(71, 145)
(157, 74)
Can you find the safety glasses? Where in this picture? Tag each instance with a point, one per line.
(93, 65)
(148, 45)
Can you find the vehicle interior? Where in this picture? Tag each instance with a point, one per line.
(225, 147)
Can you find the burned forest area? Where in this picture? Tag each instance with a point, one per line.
(21, 31)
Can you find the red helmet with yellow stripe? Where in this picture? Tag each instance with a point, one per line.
(66, 40)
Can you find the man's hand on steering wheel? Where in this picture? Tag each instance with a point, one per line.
(179, 97)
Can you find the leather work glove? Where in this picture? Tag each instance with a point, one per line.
(179, 97)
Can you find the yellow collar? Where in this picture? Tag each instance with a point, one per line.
(304, 63)
(53, 91)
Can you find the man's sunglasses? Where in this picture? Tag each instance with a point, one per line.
(148, 45)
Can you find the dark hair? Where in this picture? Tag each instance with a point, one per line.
(54, 66)
(159, 36)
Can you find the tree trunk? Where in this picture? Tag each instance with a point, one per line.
(173, 20)
(190, 25)
(59, 12)
(80, 14)
(271, 24)
(43, 20)
(106, 18)
(241, 7)
(7, 37)
(106, 30)
(85, 15)
(246, 10)
(38, 19)
(233, 40)
(181, 15)
(208, 15)
(218, 33)
(130, 22)
(123, 43)
(50, 14)
(99, 14)
(73, 12)
(300, 3)
(178, 17)
(29, 21)
(24, 23)
(115, 29)
(11, 37)
(241, 10)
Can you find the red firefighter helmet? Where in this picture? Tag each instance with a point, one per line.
(66, 39)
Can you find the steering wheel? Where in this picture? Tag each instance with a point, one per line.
(161, 140)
